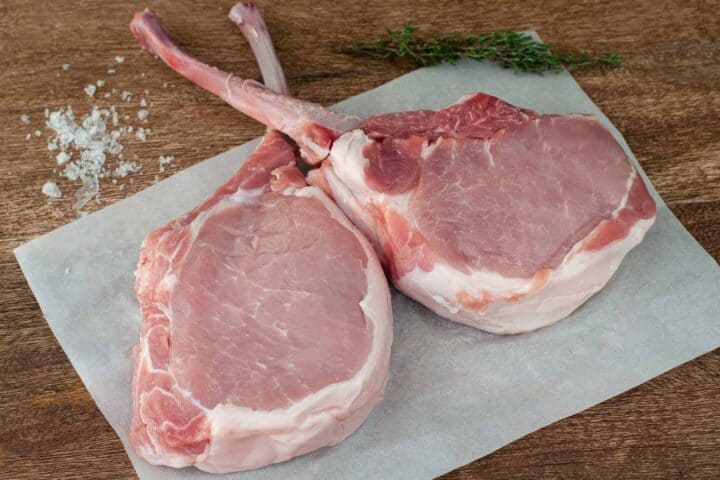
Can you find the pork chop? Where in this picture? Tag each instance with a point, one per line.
(266, 324)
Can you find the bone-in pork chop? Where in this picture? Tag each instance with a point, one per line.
(266, 324)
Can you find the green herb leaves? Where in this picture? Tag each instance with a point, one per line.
(518, 51)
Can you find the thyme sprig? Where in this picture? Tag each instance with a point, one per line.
(518, 51)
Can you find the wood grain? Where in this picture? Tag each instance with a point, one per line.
(665, 100)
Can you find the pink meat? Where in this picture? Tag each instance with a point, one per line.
(268, 267)
(518, 202)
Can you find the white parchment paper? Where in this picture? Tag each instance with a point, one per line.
(454, 394)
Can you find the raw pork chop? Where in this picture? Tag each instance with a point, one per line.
(266, 324)
(491, 215)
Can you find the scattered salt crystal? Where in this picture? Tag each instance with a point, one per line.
(66, 66)
(143, 103)
(125, 168)
(47, 112)
(25, 118)
(111, 71)
(89, 189)
(62, 158)
(51, 190)
(100, 83)
(130, 129)
(122, 187)
(140, 134)
(114, 90)
(90, 90)
(28, 136)
(165, 160)
(126, 96)
(107, 95)
(142, 114)
(52, 144)
(114, 181)
(119, 59)
(38, 133)
(165, 85)
(126, 117)
(146, 91)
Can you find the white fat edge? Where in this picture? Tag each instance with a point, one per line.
(569, 285)
(345, 176)
(348, 160)
(337, 398)
(626, 196)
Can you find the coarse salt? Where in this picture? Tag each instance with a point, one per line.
(165, 160)
(124, 168)
(51, 190)
(93, 142)
(66, 66)
(62, 158)
(25, 118)
(119, 59)
(100, 83)
(142, 114)
(90, 90)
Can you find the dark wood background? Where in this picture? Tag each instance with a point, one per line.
(665, 100)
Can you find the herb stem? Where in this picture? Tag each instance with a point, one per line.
(518, 51)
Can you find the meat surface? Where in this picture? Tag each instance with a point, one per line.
(495, 216)
(266, 324)
(507, 226)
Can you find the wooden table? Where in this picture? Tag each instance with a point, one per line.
(665, 100)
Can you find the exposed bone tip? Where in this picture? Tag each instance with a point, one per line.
(238, 12)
